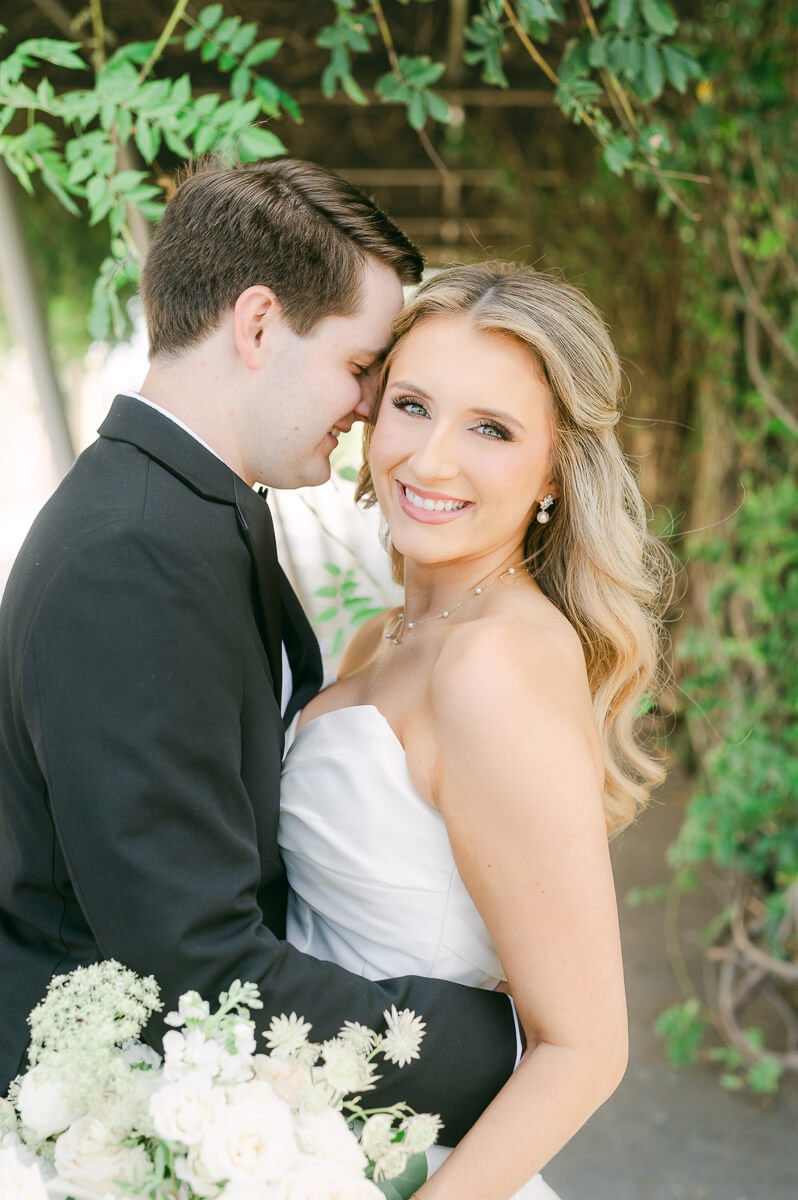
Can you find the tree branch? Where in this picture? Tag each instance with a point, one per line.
(752, 297)
(160, 46)
(758, 377)
(529, 45)
(390, 49)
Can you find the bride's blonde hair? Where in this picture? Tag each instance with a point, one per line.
(594, 559)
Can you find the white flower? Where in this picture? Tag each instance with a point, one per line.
(405, 1033)
(190, 1051)
(139, 1055)
(326, 1135)
(8, 1119)
(192, 1171)
(359, 1036)
(253, 1191)
(391, 1163)
(377, 1135)
(251, 1138)
(181, 1111)
(190, 1007)
(286, 1035)
(421, 1131)
(18, 1180)
(233, 1068)
(344, 1069)
(44, 1106)
(244, 1038)
(89, 1158)
(318, 1180)
(291, 1080)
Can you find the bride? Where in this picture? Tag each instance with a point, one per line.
(446, 804)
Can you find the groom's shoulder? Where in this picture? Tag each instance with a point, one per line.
(116, 507)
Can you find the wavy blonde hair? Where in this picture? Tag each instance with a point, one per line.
(595, 559)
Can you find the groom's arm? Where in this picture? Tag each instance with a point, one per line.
(133, 692)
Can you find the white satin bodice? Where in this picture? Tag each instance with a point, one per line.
(374, 886)
(373, 881)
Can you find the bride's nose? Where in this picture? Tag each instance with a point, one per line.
(434, 457)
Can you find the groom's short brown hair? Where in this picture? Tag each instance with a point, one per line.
(294, 226)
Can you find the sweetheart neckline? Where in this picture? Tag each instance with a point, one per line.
(354, 708)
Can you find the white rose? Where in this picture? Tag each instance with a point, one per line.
(19, 1181)
(315, 1179)
(43, 1105)
(291, 1081)
(191, 1170)
(88, 1158)
(181, 1111)
(327, 1135)
(252, 1137)
(254, 1191)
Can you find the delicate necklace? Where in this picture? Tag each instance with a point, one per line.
(397, 631)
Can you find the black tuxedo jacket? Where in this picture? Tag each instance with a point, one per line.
(140, 750)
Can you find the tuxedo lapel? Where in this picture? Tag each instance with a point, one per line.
(256, 523)
(302, 649)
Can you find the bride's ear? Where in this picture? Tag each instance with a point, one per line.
(254, 315)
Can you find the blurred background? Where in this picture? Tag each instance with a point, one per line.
(646, 150)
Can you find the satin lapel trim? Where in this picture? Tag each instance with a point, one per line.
(302, 648)
(256, 524)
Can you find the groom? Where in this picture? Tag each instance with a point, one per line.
(151, 647)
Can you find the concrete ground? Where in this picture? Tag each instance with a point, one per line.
(669, 1134)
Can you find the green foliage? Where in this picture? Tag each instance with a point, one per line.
(683, 1027)
(71, 138)
(650, 895)
(744, 679)
(346, 605)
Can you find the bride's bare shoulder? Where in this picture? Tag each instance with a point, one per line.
(536, 661)
(364, 643)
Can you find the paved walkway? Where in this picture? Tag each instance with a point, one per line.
(666, 1134)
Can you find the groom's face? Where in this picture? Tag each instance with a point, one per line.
(314, 388)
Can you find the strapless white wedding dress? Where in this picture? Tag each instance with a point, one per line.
(374, 886)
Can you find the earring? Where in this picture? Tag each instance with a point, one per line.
(545, 505)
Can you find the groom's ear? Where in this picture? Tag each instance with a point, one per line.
(254, 313)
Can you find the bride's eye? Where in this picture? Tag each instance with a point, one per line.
(411, 405)
(493, 431)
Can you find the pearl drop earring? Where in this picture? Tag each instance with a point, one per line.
(545, 505)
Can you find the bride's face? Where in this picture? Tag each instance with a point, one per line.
(461, 448)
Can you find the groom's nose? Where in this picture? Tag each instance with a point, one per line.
(365, 405)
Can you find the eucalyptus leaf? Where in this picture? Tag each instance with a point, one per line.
(411, 1179)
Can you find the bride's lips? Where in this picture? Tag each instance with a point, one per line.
(430, 516)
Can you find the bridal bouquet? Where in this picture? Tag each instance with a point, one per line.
(99, 1115)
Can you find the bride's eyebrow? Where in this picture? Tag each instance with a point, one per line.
(410, 387)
